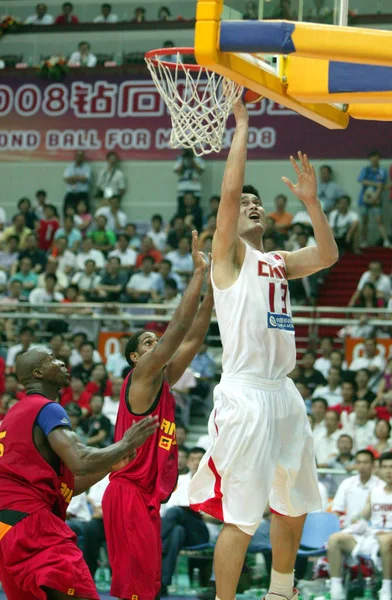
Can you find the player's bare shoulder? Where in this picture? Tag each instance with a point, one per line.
(226, 266)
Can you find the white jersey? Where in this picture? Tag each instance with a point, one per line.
(254, 318)
(381, 502)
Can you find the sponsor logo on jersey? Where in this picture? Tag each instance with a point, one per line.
(279, 321)
(65, 421)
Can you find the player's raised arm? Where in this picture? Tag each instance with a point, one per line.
(307, 261)
(226, 235)
(82, 460)
(152, 363)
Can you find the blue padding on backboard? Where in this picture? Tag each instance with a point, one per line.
(256, 36)
(350, 77)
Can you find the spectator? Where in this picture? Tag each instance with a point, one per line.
(372, 179)
(362, 378)
(25, 209)
(147, 249)
(348, 398)
(116, 218)
(77, 177)
(26, 276)
(318, 412)
(99, 382)
(83, 57)
(332, 392)
(106, 15)
(66, 259)
(55, 343)
(309, 375)
(26, 342)
(323, 363)
(382, 432)
(41, 16)
(191, 211)
(180, 526)
(9, 256)
(353, 492)
(384, 393)
(343, 460)
(104, 239)
(164, 13)
(18, 229)
(181, 259)
(142, 286)
(112, 402)
(165, 273)
(139, 15)
(170, 57)
(48, 294)
(11, 385)
(111, 180)
(271, 232)
(79, 339)
(171, 296)
(113, 281)
(66, 17)
(157, 234)
(208, 231)
(380, 280)
(124, 252)
(251, 13)
(76, 393)
(328, 190)
(13, 296)
(368, 298)
(89, 253)
(188, 167)
(40, 201)
(177, 231)
(97, 427)
(213, 205)
(377, 510)
(204, 369)
(87, 280)
(72, 235)
(82, 218)
(359, 426)
(320, 13)
(182, 460)
(134, 239)
(281, 217)
(372, 361)
(116, 362)
(345, 225)
(181, 434)
(284, 11)
(93, 531)
(47, 227)
(84, 369)
(52, 267)
(326, 445)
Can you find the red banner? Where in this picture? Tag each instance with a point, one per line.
(49, 121)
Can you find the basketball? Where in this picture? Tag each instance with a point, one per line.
(251, 97)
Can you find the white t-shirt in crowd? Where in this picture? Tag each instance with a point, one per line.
(341, 223)
(13, 352)
(383, 284)
(110, 409)
(362, 362)
(323, 365)
(76, 59)
(111, 220)
(78, 508)
(115, 364)
(41, 296)
(68, 259)
(35, 20)
(127, 258)
(333, 397)
(181, 263)
(362, 435)
(111, 18)
(141, 282)
(93, 254)
(159, 239)
(351, 496)
(97, 491)
(76, 359)
(326, 446)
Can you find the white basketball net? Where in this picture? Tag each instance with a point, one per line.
(199, 103)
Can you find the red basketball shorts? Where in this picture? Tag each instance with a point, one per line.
(40, 551)
(133, 537)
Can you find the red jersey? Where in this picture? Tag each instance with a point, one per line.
(27, 482)
(46, 231)
(155, 468)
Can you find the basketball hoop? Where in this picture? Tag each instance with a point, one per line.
(199, 100)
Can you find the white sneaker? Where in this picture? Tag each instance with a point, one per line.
(272, 596)
(384, 595)
(338, 593)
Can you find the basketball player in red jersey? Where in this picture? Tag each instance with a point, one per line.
(42, 464)
(132, 500)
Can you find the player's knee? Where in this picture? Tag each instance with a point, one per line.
(334, 541)
(385, 544)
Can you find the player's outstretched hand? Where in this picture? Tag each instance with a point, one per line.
(306, 187)
(136, 435)
(239, 110)
(199, 260)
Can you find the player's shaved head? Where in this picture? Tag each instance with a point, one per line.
(28, 362)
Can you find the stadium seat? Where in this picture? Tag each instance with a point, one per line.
(317, 529)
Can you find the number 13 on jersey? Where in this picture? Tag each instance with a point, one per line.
(278, 296)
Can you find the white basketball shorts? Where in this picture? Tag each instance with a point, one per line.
(262, 450)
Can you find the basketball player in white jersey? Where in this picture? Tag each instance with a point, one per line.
(377, 510)
(262, 446)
